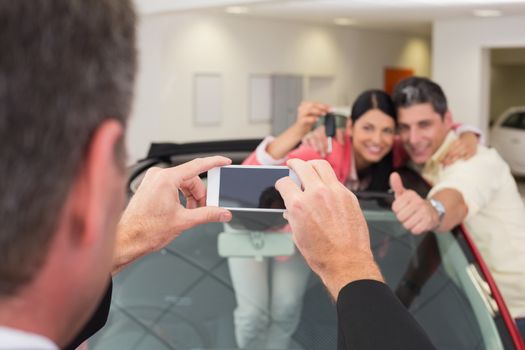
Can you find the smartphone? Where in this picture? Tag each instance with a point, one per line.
(247, 187)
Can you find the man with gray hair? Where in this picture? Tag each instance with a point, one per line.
(480, 191)
(67, 71)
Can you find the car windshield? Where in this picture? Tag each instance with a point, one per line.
(183, 297)
(515, 121)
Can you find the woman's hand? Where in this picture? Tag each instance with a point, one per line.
(317, 139)
(463, 148)
(308, 113)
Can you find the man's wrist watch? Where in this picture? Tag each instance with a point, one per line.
(440, 208)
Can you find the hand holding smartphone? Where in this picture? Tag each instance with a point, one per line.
(247, 187)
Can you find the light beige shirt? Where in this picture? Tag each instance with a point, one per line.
(496, 215)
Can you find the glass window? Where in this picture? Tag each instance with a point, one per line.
(187, 296)
(515, 121)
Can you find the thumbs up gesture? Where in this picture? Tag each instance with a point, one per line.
(415, 213)
(396, 184)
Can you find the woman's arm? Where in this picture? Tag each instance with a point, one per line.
(307, 114)
(464, 147)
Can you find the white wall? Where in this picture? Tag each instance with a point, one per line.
(460, 61)
(176, 46)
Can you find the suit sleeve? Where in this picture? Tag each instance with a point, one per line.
(369, 316)
(96, 322)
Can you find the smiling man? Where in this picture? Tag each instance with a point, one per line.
(480, 191)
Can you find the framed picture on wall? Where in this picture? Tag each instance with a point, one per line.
(207, 99)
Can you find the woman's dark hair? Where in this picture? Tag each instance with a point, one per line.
(373, 99)
(366, 101)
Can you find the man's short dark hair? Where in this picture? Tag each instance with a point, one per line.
(417, 90)
(66, 66)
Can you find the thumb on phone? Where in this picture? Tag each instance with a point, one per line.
(396, 184)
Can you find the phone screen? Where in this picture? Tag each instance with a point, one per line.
(251, 188)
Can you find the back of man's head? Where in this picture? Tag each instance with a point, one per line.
(418, 90)
(66, 66)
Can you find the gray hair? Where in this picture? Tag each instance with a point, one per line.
(417, 90)
(66, 66)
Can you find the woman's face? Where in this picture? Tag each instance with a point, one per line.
(372, 136)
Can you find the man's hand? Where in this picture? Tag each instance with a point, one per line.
(155, 216)
(328, 225)
(415, 213)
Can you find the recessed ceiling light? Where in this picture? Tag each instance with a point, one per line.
(487, 13)
(237, 10)
(344, 21)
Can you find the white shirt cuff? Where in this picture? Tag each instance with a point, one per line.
(263, 157)
(463, 128)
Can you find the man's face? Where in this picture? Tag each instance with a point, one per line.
(422, 130)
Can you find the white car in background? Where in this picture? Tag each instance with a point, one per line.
(507, 136)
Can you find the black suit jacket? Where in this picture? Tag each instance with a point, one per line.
(370, 316)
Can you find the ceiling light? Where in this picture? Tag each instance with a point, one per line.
(487, 13)
(237, 10)
(344, 21)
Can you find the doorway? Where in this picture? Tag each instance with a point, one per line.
(507, 104)
(507, 80)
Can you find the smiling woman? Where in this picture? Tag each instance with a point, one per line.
(362, 161)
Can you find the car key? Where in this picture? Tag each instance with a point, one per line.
(329, 128)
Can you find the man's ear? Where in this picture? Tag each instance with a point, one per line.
(98, 191)
(447, 119)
